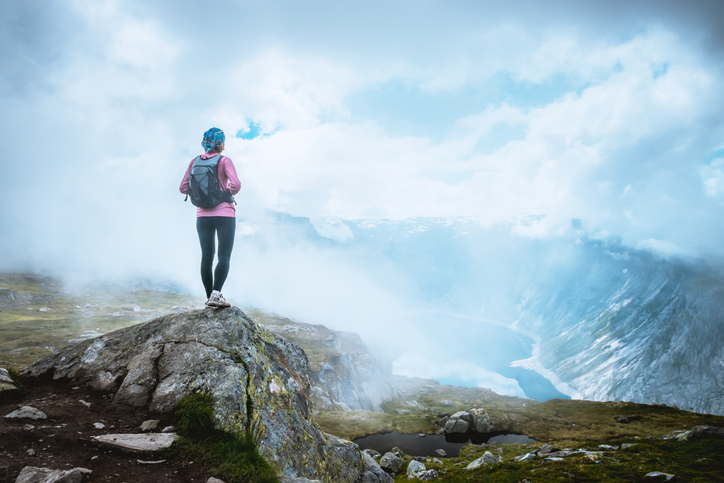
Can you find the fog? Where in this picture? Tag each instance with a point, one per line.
(547, 123)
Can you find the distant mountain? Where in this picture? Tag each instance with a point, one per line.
(611, 322)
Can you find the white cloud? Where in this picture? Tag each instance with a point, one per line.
(413, 364)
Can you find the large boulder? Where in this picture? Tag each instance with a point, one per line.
(458, 422)
(260, 382)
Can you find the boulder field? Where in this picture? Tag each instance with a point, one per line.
(260, 382)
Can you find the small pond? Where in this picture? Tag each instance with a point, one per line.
(415, 445)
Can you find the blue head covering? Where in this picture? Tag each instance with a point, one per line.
(213, 138)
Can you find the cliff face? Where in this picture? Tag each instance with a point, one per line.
(344, 375)
(634, 328)
(260, 382)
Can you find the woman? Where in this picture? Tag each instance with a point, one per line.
(217, 221)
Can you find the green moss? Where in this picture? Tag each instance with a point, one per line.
(355, 424)
(233, 457)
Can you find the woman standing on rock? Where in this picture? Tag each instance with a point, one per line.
(211, 181)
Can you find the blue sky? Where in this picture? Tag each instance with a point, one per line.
(605, 112)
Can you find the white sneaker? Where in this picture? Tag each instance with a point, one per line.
(221, 302)
(217, 300)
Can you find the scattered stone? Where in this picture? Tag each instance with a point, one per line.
(446, 403)
(398, 452)
(441, 452)
(141, 462)
(28, 427)
(45, 309)
(5, 376)
(525, 457)
(553, 458)
(487, 459)
(168, 429)
(427, 475)
(435, 461)
(546, 449)
(374, 454)
(214, 480)
(421, 435)
(31, 452)
(292, 479)
(141, 443)
(33, 474)
(705, 432)
(149, 425)
(414, 468)
(94, 457)
(605, 447)
(99, 425)
(658, 476)
(390, 462)
(373, 472)
(421, 459)
(86, 404)
(27, 412)
(628, 445)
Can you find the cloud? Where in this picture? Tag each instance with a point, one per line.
(413, 364)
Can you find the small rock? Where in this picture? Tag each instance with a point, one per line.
(28, 427)
(94, 457)
(141, 462)
(421, 459)
(390, 462)
(86, 404)
(149, 425)
(31, 452)
(45, 309)
(427, 475)
(525, 457)
(547, 448)
(441, 452)
(374, 454)
(658, 476)
(487, 459)
(99, 425)
(168, 429)
(75, 388)
(628, 445)
(146, 442)
(421, 435)
(5, 376)
(435, 461)
(605, 447)
(33, 474)
(214, 480)
(398, 452)
(27, 412)
(414, 468)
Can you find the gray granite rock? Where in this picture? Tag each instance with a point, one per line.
(414, 468)
(226, 354)
(137, 443)
(373, 472)
(390, 462)
(26, 412)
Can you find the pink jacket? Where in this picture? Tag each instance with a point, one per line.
(227, 178)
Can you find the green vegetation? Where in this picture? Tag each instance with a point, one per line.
(230, 456)
(356, 424)
(698, 461)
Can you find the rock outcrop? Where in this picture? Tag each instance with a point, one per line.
(260, 382)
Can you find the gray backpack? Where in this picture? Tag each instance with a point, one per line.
(204, 188)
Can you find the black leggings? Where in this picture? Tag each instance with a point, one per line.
(224, 227)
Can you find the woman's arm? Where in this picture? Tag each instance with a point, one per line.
(233, 184)
(184, 188)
